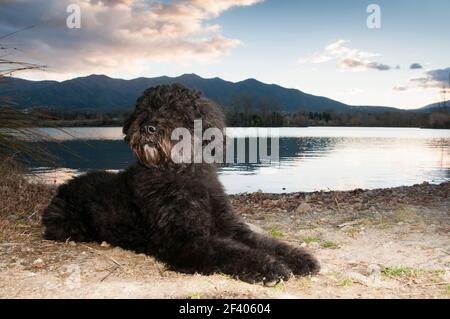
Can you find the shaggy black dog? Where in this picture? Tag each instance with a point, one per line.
(178, 213)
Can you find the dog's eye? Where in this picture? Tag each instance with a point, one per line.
(149, 129)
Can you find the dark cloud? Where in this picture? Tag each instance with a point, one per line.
(415, 66)
(378, 66)
(360, 64)
(438, 78)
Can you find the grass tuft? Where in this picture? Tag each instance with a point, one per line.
(276, 232)
(346, 282)
(280, 286)
(311, 239)
(224, 275)
(329, 244)
(401, 272)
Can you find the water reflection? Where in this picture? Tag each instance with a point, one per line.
(310, 159)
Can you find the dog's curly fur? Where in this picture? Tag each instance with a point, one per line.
(178, 213)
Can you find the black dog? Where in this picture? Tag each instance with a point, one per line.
(178, 213)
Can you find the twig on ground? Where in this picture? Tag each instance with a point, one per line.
(335, 199)
(103, 255)
(354, 222)
(430, 284)
(444, 251)
(109, 273)
(34, 213)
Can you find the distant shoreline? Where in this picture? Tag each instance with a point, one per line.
(96, 123)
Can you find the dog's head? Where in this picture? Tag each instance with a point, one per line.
(160, 110)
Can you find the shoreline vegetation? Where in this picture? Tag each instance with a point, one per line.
(382, 243)
(438, 118)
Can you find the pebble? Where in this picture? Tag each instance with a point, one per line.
(358, 277)
(372, 281)
(256, 229)
(373, 269)
(303, 208)
(105, 244)
(38, 263)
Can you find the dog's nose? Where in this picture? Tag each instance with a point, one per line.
(149, 129)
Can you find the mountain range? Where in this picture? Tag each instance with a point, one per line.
(101, 93)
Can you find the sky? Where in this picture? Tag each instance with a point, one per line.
(400, 58)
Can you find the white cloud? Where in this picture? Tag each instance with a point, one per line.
(119, 34)
(346, 58)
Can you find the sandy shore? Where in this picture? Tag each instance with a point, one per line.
(386, 243)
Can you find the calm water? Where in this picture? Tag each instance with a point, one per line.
(310, 158)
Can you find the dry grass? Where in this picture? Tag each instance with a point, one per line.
(21, 203)
(17, 130)
(10, 66)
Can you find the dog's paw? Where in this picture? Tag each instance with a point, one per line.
(271, 274)
(302, 262)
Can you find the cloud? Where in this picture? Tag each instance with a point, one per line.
(119, 34)
(415, 66)
(346, 58)
(439, 78)
(400, 88)
(358, 64)
(354, 91)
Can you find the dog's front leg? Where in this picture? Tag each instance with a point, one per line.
(208, 255)
(298, 259)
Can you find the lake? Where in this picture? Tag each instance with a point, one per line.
(313, 158)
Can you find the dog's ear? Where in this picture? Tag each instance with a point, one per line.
(134, 120)
(127, 123)
(211, 114)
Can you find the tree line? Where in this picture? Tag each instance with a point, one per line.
(439, 118)
(245, 113)
(266, 113)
